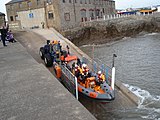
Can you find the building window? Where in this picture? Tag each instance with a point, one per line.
(38, 2)
(63, 1)
(80, 1)
(11, 18)
(31, 15)
(49, 1)
(83, 15)
(67, 16)
(89, 1)
(103, 10)
(91, 14)
(20, 5)
(70, 1)
(29, 4)
(11, 7)
(98, 13)
(75, 1)
(50, 15)
(16, 17)
(85, 1)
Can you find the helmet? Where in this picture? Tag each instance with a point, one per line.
(84, 65)
(76, 65)
(99, 72)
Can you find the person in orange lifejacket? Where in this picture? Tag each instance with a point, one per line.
(77, 70)
(54, 42)
(85, 70)
(101, 77)
(62, 58)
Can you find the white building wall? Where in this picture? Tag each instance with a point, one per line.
(158, 9)
(27, 21)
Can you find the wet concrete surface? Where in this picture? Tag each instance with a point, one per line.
(32, 42)
(29, 92)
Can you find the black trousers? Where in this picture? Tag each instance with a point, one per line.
(3, 40)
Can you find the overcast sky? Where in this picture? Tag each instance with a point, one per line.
(120, 4)
(2, 5)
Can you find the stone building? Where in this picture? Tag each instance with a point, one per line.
(60, 14)
(2, 19)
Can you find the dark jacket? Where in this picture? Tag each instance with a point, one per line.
(3, 32)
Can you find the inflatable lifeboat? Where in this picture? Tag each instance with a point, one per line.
(89, 86)
(64, 66)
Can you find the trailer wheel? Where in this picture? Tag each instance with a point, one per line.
(48, 60)
(41, 52)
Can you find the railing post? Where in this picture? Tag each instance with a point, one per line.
(102, 67)
(76, 84)
(114, 16)
(107, 75)
(111, 17)
(113, 78)
(94, 67)
(104, 17)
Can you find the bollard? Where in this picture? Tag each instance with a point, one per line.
(107, 16)
(90, 19)
(111, 17)
(104, 17)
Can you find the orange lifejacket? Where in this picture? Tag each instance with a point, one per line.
(101, 77)
(62, 58)
(85, 71)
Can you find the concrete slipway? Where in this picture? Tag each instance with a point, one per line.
(28, 91)
(124, 97)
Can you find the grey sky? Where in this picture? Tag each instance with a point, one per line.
(120, 4)
(2, 5)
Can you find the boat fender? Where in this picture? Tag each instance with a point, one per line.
(79, 89)
(93, 94)
(58, 71)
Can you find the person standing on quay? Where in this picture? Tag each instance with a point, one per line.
(68, 50)
(3, 35)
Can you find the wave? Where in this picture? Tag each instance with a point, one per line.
(83, 46)
(150, 34)
(125, 38)
(148, 103)
(145, 97)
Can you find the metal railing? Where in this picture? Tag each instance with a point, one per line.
(71, 80)
(97, 65)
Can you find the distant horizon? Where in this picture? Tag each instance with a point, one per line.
(120, 4)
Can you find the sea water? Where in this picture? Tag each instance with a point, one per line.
(138, 68)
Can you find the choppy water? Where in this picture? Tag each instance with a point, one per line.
(138, 67)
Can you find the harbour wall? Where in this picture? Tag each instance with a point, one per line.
(104, 31)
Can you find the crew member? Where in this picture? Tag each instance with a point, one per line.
(62, 59)
(77, 70)
(101, 77)
(84, 72)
